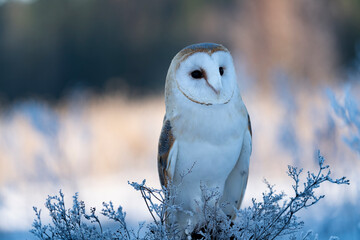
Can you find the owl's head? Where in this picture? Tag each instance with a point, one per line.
(204, 73)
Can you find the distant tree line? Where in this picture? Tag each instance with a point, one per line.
(48, 47)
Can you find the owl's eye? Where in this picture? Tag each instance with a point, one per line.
(197, 74)
(221, 70)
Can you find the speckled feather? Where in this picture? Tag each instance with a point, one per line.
(166, 141)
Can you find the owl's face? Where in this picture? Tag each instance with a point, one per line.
(205, 74)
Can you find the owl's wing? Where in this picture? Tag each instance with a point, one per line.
(236, 182)
(167, 153)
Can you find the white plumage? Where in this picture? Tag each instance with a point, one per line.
(206, 130)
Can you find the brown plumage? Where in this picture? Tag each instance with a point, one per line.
(249, 125)
(166, 141)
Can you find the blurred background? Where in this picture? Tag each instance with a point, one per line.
(81, 97)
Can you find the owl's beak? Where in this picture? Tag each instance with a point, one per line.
(215, 84)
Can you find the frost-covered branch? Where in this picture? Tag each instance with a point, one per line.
(273, 217)
(285, 220)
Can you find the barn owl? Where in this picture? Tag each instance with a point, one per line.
(206, 138)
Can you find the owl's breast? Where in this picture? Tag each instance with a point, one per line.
(209, 141)
(214, 124)
(205, 162)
